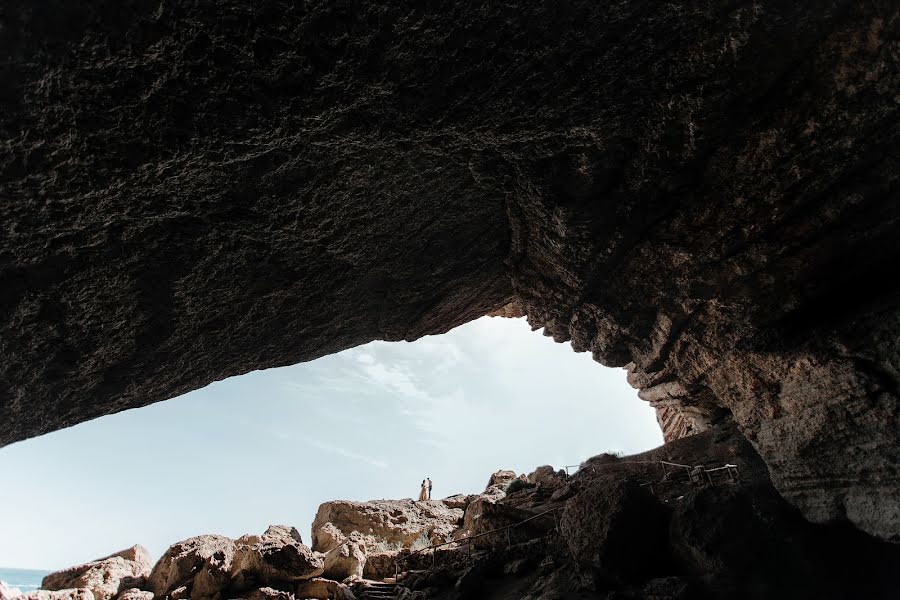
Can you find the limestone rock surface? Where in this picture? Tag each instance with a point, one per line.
(197, 559)
(386, 524)
(267, 593)
(104, 577)
(67, 594)
(277, 557)
(347, 559)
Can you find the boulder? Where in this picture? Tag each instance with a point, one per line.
(545, 476)
(277, 557)
(385, 524)
(134, 594)
(460, 501)
(106, 576)
(347, 559)
(616, 530)
(501, 478)
(267, 593)
(203, 557)
(380, 564)
(327, 537)
(324, 589)
(68, 594)
(284, 531)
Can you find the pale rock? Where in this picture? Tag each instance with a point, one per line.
(278, 556)
(68, 594)
(103, 576)
(385, 524)
(183, 562)
(320, 588)
(134, 594)
(346, 560)
(380, 564)
(327, 537)
(501, 478)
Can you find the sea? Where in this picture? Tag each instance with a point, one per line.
(24, 579)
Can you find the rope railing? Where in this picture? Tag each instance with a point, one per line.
(468, 539)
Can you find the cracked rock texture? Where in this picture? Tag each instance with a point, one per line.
(704, 194)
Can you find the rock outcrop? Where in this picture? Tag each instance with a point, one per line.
(104, 577)
(197, 560)
(278, 556)
(347, 559)
(704, 194)
(384, 524)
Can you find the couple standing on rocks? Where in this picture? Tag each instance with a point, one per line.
(425, 492)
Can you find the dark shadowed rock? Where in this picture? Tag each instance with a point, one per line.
(703, 193)
(615, 530)
(347, 559)
(324, 589)
(68, 594)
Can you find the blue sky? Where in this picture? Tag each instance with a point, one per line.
(270, 446)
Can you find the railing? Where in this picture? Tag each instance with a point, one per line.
(694, 474)
(468, 539)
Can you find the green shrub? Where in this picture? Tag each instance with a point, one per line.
(518, 484)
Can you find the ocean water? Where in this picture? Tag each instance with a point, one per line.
(24, 579)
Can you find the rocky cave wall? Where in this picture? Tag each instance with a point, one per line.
(704, 193)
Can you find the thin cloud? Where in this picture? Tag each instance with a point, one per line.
(349, 454)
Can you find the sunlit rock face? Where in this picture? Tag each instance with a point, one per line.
(704, 194)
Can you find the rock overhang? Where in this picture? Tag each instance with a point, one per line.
(703, 195)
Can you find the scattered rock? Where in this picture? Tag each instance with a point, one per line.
(500, 478)
(327, 537)
(380, 564)
(460, 501)
(186, 560)
(106, 576)
(69, 594)
(324, 589)
(284, 531)
(134, 594)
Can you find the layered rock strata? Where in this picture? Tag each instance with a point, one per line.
(704, 194)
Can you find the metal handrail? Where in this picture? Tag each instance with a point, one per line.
(732, 471)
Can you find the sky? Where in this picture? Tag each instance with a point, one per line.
(268, 447)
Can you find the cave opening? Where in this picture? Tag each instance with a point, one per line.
(271, 445)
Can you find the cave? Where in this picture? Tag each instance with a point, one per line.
(704, 194)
